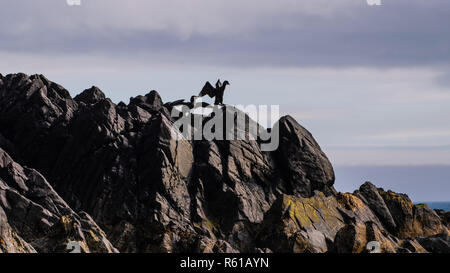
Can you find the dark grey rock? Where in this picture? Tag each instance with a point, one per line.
(304, 166)
(90, 96)
(143, 191)
(33, 217)
(436, 244)
(374, 200)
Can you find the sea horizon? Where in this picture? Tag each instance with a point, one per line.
(443, 205)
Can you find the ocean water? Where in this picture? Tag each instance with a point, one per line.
(438, 205)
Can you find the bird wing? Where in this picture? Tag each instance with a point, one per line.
(208, 89)
(218, 83)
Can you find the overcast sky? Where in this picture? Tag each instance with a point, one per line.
(372, 83)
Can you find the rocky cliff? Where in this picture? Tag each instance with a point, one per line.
(112, 178)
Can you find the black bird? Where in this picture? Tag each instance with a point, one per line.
(216, 92)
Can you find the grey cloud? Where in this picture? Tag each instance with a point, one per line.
(443, 80)
(400, 33)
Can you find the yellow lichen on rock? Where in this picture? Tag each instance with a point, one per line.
(421, 205)
(350, 201)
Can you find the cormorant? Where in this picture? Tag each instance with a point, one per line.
(216, 92)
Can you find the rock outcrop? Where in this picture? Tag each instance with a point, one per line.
(113, 178)
(33, 217)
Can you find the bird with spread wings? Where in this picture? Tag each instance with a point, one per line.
(216, 91)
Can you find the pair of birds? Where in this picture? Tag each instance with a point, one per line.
(216, 91)
(208, 89)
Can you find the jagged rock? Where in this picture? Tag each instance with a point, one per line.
(356, 238)
(355, 210)
(342, 223)
(149, 192)
(90, 96)
(436, 244)
(34, 218)
(445, 217)
(151, 102)
(369, 193)
(320, 224)
(298, 224)
(412, 221)
(351, 239)
(411, 246)
(10, 241)
(29, 108)
(305, 167)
